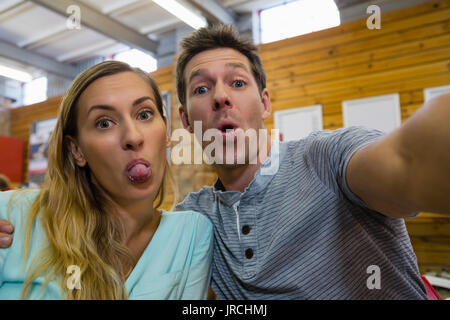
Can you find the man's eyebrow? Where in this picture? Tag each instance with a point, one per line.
(110, 108)
(196, 73)
(234, 65)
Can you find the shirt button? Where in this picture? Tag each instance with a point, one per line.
(245, 229)
(249, 253)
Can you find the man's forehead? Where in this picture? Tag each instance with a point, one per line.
(222, 57)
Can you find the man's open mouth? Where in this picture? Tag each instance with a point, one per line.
(227, 128)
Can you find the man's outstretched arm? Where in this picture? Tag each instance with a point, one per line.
(409, 169)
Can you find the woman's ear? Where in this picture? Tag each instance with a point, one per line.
(75, 149)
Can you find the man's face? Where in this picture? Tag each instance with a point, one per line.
(222, 93)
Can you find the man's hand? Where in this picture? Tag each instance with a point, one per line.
(6, 229)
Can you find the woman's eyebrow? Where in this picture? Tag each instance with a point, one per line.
(100, 107)
(110, 108)
(142, 99)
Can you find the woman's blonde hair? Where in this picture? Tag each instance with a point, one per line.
(73, 211)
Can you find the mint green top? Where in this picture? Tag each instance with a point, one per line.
(175, 265)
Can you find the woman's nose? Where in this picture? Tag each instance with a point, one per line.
(133, 137)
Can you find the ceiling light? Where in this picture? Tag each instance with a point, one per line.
(15, 74)
(183, 13)
(137, 59)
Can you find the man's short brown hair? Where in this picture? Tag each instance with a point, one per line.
(216, 36)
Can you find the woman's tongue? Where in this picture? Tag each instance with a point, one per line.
(139, 172)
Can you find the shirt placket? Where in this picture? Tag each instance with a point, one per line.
(246, 224)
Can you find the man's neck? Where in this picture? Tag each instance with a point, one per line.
(239, 177)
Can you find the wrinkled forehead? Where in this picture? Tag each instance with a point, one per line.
(225, 58)
(113, 88)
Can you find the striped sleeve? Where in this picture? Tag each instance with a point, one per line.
(328, 153)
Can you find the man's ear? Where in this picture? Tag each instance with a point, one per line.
(185, 120)
(75, 149)
(267, 107)
(168, 141)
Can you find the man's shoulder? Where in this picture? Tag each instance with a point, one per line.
(349, 131)
(300, 143)
(320, 140)
(196, 201)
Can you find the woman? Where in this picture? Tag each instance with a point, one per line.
(93, 231)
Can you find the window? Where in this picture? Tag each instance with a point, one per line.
(430, 93)
(297, 123)
(137, 59)
(379, 112)
(296, 18)
(35, 91)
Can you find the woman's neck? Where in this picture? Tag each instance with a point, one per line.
(139, 219)
(139, 222)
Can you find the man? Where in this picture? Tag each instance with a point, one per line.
(328, 222)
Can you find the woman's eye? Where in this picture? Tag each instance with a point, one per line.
(238, 83)
(145, 115)
(103, 124)
(201, 90)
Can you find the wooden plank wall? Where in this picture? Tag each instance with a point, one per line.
(410, 52)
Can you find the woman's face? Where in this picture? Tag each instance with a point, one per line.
(122, 137)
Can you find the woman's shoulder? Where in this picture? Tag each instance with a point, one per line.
(189, 217)
(14, 201)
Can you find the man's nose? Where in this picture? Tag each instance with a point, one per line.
(221, 97)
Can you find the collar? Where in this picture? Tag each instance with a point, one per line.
(263, 176)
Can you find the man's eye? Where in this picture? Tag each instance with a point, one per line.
(103, 124)
(145, 115)
(201, 90)
(239, 83)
